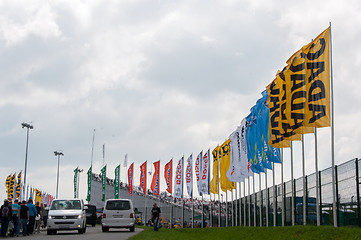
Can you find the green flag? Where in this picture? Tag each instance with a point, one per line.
(89, 183)
(116, 182)
(75, 180)
(104, 177)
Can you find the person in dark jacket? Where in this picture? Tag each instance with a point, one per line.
(155, 214)
(6, 213)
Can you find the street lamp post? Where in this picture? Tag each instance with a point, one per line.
(57, 178)
(27, 126)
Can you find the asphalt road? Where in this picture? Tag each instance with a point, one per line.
(92, 233)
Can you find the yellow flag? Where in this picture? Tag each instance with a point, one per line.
(7, 184)
(18, 186)
(306, 87)
(277, 139)
(318, 81)
(224, 163)
(213, 184)
(299, 97)
(11, 187)
(38, 196)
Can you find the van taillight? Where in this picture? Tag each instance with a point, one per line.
(104, 215)
(131, 215)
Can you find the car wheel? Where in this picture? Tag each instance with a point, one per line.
(131, 229)
(105, 229)
(81, 231)
(49, 232)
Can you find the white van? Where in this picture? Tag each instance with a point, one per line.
(118, 213)
(66, 214)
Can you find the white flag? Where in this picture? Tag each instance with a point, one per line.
(198, 171)
(245, 164)
(189, 177)
(234, 173)
(205, 173)
(178, 180)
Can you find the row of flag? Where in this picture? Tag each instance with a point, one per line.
(13, 189)
(294, 103)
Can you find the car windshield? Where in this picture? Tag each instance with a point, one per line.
(118, 205)
(65, 205)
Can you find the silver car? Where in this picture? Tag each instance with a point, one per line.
(118, 213)
(66, 214)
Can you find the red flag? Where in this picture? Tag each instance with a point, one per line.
(130, 179)
(168, 175)
(155, 181)
(143, 177)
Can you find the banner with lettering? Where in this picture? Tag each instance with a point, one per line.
(198, 171)
(116, 181)
(130, 178)
(143, 177)
(104, 179)
(155, 181)
(18, 186)
(89, 175)
(189, 175)
(214, 184)
(178, 180)
(205, 173)
(223, 167)
(75, 181)
(168, 175)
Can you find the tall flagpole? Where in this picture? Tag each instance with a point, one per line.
(219, 190)
(202, 213)
(254, 204)
(244, 204)
(226, 208)
(267, 197)
(235, 206)
(303, 181)
(317, 181)
(335, 210)
(274, 196)
(91, 159)
(103, 154)
(260, 207)
(240, 204)
(283, 191)
(293, 187)
(249, 204)
(145, 195)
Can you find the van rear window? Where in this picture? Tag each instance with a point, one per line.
(118, 205)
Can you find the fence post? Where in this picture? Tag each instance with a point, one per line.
(358, 194)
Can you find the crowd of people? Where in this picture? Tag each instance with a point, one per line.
(24, 216)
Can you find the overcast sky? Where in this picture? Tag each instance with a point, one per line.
(157, 79)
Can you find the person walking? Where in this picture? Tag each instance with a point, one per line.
(38, 217)
(24, 217)
(155, 214)
(16, 217)
(32, 214)
(5, 211)
(44, 212)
